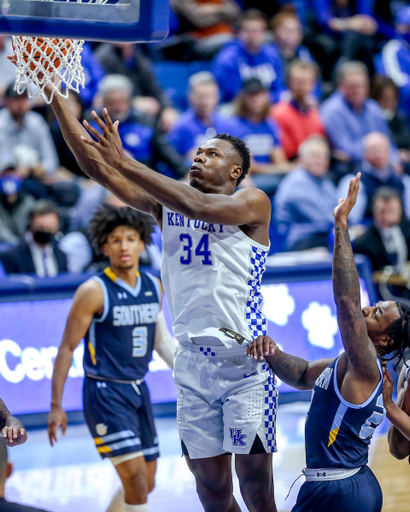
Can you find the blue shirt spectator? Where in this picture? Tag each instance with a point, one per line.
(249, 57)
(139, 138)
(306, 198)
(93, 73)
(394, 59)
(348, 115)
(200, 122)
(376, 173)
(332, 16)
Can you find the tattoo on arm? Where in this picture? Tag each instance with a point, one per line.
(4, 414)
(346, 290)
(290, 369)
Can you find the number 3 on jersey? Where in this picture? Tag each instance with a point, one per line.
(201, 250)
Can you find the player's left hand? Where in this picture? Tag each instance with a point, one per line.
(262, 346)
(387, 388)
(109, 144)
(344, 206)
(14, 432)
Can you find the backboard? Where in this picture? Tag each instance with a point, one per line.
(96, 20)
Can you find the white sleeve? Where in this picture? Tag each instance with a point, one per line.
(164, 342)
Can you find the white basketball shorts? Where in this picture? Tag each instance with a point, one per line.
(225, 400)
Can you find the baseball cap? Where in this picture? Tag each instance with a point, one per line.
(253, 85)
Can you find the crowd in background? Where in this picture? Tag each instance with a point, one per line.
(318, 90)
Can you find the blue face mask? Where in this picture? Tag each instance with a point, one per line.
(9, 185)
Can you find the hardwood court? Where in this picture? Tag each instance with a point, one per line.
(393, 475)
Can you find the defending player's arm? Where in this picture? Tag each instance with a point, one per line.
(292, 370)
(398, 414)
(88, 301)
(360, 351)
(245, 207)
(12, 430)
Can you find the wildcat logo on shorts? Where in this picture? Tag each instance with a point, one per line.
(237, 437)
(101, 429)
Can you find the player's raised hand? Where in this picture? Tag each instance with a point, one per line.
(387, 388)
(261, 346)
(109, 144)
(56, 418)
(344, 206)
(14, 432)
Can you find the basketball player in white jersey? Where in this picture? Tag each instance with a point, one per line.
(215, 243)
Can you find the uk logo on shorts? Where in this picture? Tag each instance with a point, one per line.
(237, 437)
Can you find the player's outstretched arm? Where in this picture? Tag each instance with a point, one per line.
(88, 301)
(12, 430)
(91, 162)
(359, 349)
(292, 370)
(245, 207)
(398, 414)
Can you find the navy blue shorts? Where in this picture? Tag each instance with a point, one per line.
(119, 418)
(358, 493)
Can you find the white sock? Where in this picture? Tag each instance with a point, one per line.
(117, 501)
(135, 508)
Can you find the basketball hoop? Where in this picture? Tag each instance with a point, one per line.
(46, 61)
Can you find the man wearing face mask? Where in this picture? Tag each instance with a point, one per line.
(38, 252)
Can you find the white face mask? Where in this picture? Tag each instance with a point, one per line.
(389, 114)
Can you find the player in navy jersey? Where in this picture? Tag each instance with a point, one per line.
(398, 413)
(347, 400)
(118, 314)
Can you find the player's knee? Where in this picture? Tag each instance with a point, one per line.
(151, 483)
(136, 486)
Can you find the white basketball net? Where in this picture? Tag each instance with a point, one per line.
(44, 61)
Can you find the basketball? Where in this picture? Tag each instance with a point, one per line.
(46, 52)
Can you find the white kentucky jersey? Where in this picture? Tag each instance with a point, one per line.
(212, 276)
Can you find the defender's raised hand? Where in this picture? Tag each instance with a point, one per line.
(344, 206)
(14, 432)
(109, 144)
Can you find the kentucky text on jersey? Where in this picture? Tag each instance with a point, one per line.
(176, 219)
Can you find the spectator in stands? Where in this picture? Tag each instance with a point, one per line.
(306, 198)
(8, 70)
(298, 118)
(38, 252)
(206, 25)
(6, 469)
(93, 73)
(386, 93)
(288, 36)
(19, 126)
(139, 138)
(394, 60)
(15, 206)
(376, 172)
(65, 155)
(128, 60)
(200, 122)
(351, 23)
(260, 133)
(348, 115)
(387, 240)
(249, 57)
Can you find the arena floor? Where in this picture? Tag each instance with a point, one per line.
(71, 477)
